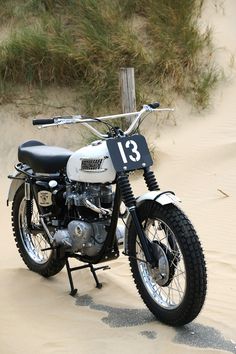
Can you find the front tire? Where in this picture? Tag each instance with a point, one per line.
(174, 290)
(30, 245)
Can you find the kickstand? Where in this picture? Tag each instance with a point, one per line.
(93, 270)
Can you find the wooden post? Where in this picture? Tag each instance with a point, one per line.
(127, 91)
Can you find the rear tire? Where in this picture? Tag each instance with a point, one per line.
(30, 245)
(175, 295)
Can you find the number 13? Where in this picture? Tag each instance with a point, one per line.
(134, 150)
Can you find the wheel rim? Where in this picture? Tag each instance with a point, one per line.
(170, 296)
(33, 243)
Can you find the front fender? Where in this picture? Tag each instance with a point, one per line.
(159, 197)
(162, 198)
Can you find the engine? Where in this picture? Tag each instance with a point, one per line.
(84, 237)
(90, 208)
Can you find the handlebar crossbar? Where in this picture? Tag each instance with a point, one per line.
(60, 120)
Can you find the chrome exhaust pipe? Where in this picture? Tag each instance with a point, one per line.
(98, 210)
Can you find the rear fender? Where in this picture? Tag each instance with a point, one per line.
(159, 197)
(17, 180)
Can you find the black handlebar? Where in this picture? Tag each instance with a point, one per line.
(43, 121)
(154, 105)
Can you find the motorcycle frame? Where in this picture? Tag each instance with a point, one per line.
(110, 248)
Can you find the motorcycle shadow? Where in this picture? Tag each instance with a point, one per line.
(193, 334)
(117, 317)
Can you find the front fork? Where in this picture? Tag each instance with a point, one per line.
(130, 202)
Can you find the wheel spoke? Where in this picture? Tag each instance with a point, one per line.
(172, 294)
(33, 242)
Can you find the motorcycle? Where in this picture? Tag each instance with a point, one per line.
(67, 205)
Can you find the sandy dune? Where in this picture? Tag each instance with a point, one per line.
(197, 160)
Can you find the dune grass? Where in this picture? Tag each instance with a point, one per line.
(83, 44)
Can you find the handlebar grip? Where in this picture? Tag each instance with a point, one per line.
(154, 105)
(43, 121)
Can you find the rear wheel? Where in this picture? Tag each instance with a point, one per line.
(30, 243)
(174, 290)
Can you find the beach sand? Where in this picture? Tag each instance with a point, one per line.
(197, 160)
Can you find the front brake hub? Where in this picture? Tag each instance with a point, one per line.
(164, 270)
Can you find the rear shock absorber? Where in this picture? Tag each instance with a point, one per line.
(28, 203)
(150, 180)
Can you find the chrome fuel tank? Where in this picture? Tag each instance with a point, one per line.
(91, 164)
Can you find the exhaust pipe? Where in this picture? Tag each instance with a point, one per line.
(98, 210)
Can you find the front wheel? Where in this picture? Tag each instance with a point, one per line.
(174, 289)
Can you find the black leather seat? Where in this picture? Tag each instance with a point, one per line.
(43, 158)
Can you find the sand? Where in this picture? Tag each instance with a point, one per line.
(196, 159)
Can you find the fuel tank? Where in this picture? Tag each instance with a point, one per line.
(91, 164)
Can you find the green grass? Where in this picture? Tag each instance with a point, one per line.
(83, 44)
